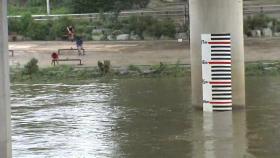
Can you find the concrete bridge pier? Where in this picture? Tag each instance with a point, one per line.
(5, 111)
(217, 16)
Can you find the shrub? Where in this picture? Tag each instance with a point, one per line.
(161, 28)
(31, 67)
(58, 29)
(277, 26)
(155, 29)
(139, 24)
(14, 25)
(168, 28)
(257, 22)
(150, 25)
(247, 26)
(25, 21)
(38, 30)
(82, 29)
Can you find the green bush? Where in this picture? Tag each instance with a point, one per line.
(155, 29)
(43, 30)
(58, 29)
(150, 25)
(247, 26)
(25, 21)
(277, 26)
(168, 28)
(83, 29)
(38, 30)
(139, 24)
(14, 25)
(161, 28)
(259, 21)
(31, 67)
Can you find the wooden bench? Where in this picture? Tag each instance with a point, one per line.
(60, 50)
(54, 61)
(12, 51)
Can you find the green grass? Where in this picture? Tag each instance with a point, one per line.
(69, 74)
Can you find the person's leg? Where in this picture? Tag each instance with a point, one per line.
(82, 49)
(79, 49)
(72, 37)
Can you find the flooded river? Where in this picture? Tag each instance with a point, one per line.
(141, 118)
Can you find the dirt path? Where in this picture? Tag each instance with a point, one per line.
(136, 53)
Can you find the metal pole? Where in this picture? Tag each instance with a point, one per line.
(5, 110)
(48, 7)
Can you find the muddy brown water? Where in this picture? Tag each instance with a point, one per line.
(141, 118)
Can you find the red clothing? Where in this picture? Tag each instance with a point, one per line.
(54, 56)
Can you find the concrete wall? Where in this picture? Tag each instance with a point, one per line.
(5, 111)
(217, 16)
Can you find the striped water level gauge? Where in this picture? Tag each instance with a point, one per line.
(216, 72)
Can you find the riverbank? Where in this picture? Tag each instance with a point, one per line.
(71, 75)
(125, 53)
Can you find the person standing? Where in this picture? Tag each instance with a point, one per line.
(54, 58)
(71, 33)
(79, 44)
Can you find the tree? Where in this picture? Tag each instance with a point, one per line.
(93, 6)
(139, 24)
